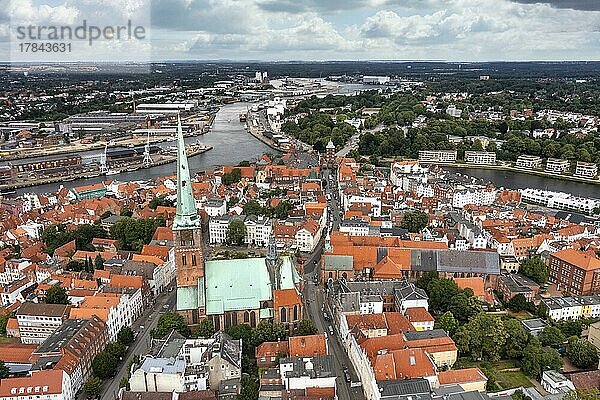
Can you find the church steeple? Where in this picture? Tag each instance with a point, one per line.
(187, 215)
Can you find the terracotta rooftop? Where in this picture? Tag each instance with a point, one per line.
(308, 346)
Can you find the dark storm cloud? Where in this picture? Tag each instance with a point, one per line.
(584, 5)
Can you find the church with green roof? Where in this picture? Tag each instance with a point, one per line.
(228, 292)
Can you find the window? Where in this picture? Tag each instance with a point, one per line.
(295, 312)
(282, 315)
(183, 260)
(193, 260)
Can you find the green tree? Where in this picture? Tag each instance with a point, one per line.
(519, 395)
(537, 359)
(463, 306)
(4, 371)
(116, 349)
(307, 327)
(3, 322)
(124, 382)
(551, 336)
(517, 339)
(583, 394)
(232, 177)
(236, 232)
(517, 303)
(447, 322)
(93, 386)
(482, 338)
(99, 262)
(252, 207)
(250, 387)
(125, 212)
(414, 221)
(125, 336)
(267, 332)
(571, 328)
(167, 322)
(440, 292)
(133, 234)
(206, 329)
(535, 269)
(56, 295)
(582, 353)
(104, 365)
(160, 201)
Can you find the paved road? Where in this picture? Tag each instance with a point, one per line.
(317, 308)
(144, 324)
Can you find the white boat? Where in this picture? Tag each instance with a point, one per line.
(113, 172)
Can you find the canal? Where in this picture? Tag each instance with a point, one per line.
(516, 180)
(230, 141)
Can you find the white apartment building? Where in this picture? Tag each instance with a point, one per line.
(437, 156)
(13, 270)
(559, 200)
(570, 308)
(528, 162)
(308, 236)
(215, 207)
(453, 111)
(399, 169)
(557, 166)
(478, 197)
(586, 170)
(258, 230)
(373, 201)
(50, 384)
(355, 227)
(38, 321)
(371, 304)
(480, 157)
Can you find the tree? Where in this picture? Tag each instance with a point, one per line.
(582, 353)
(267, 332)
(583, 394)
(447, 322)
(464, 305)
(125, 212)
(232, 177)
(250, 388)
(116, 349)
(56, 295)
(93, 386)
(252, 207)
(535, 269)
(236, 232)
(571, 328)
(551, 336)
(414, 221)
(537, 359)
(517, 303)
(517, 339)
(167, 322)
(307, 327)
(519, 395)
(133, 234)
(3, 322)
(99, 262)
(4, 371)
(160, 201)
(104, 365)
(125, 336)
(440, 292)
(206, 329)
(482, 338)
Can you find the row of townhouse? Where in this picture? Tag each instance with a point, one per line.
(571, 308)
(258, 229)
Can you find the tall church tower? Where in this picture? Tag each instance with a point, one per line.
(187, 226)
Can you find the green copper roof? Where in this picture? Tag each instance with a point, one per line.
(187, 298)
(240, 284)
(187, 215)
(337, 262)
(289, 277)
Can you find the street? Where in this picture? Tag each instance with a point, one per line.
(147, 320)
(317, 308)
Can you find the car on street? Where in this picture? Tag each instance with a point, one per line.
(330, 330)
(347, 374)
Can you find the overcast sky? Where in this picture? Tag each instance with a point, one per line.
(453, 30)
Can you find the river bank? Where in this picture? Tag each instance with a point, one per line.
(520, 171)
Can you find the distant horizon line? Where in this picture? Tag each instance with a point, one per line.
(231, 61)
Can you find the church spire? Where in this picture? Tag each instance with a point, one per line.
(187, 215)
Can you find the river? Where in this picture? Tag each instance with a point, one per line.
(230, 141)
(516, 180)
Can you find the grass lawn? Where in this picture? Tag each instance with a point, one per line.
(512, 379)
(521, 315)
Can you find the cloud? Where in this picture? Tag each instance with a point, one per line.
(584, 5)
